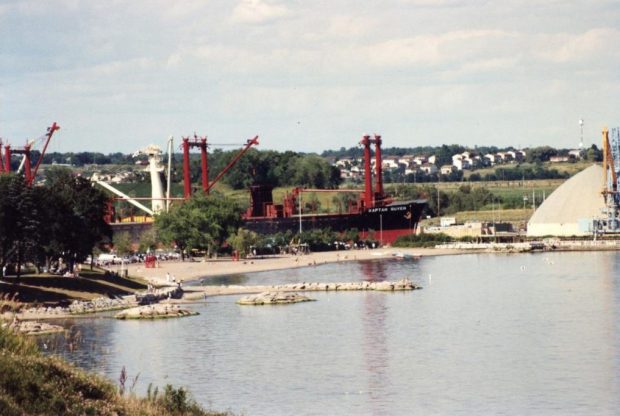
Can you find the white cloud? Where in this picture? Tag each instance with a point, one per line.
(596, 44)
(401, 66)
(257, 11)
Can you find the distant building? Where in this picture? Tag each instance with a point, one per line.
(577, 201)
(428, 168)
(491, 159)
(390, 163)
(460, 162)
(576, 153)
(447, 169)
(419, 160)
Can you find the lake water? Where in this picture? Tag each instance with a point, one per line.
(488, 334)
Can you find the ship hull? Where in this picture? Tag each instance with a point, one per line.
(387, 223)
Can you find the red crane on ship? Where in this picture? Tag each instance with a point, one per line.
(29, 173)
(261, 199)
(201, 143)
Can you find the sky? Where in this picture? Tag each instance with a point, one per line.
(309, 75)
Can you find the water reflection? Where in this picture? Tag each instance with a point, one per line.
(375, 350)
(494, 334)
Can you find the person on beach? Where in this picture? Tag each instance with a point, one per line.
(167, 277)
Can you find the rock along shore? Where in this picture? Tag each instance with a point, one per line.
(33, 328)
(157, 311)
(273, 298)
(198, 292)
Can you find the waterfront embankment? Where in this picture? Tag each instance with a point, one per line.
(195, 270)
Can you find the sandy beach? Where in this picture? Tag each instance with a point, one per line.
(188, 271)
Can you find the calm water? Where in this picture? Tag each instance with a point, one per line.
(489, 334)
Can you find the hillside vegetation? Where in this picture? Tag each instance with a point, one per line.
(34, 384)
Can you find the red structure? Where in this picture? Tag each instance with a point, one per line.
(369, 213)
(29, 173)
(201, 142)
(368, 197)
(27, 170)
(378, 170)
(7, 158)
(187, 186)
(204, 163)
(49, 134)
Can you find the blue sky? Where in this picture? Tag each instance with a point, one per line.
(309, 75)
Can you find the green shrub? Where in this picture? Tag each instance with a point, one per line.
(34, 384)
(422, 240)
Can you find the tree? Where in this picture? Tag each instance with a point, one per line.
(18, 220)
(122, 243)
(73, 218)
(202, 223)
(148, 240)
(243, 240)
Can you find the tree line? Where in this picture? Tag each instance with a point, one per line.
(63, 218)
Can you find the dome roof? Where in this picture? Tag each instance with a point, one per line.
(577, 199)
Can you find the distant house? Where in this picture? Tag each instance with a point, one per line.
(490, 159)
(390, 163)
(428, 168)
(420, 160)
(447, 169)
(504, 157)
(344, 162)
(460, 162)
(432, 159)
(558, 159)
(576, 153)
(345, 174)
(406, 160)
(516, 155)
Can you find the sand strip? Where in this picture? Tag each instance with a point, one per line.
(187, 271)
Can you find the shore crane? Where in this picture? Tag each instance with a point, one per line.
(30, 173)
(610, 223)
(201, 142)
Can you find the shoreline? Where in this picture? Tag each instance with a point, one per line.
(189, 271)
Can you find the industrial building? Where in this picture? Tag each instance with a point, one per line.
(570, 209)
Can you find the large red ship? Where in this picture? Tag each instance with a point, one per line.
(372, 211)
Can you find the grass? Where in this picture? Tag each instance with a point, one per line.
(502, 215)
(34, 384)
(51, 289)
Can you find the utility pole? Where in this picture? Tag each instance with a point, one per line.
(300, 217)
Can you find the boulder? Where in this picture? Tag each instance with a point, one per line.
(273, 298)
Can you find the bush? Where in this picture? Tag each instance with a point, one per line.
(34, 384)
(422, 240)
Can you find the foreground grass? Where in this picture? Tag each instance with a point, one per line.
(34, 384)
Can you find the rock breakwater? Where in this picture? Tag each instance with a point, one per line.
(273, 298)
(157, 311)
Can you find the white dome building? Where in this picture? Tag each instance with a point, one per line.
(575, 202)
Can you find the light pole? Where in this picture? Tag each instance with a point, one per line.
(381, 229)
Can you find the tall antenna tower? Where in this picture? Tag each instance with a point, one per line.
(581, 137)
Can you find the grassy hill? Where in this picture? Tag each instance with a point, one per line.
(34, 384)
(48, 289)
